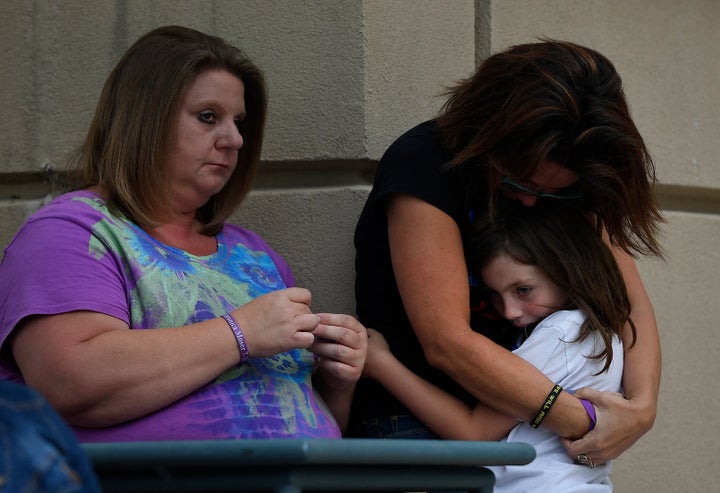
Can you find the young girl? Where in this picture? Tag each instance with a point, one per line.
(552, 277)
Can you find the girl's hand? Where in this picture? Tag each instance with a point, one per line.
(378, 351)
(376, 341)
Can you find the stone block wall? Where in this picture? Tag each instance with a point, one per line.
(348, 76)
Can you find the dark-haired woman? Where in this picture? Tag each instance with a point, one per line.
(537, 122)
(550, 274)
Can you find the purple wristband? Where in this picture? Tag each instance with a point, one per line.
(590, 411)
(239, 337)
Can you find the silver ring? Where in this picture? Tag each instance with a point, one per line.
(584, 460)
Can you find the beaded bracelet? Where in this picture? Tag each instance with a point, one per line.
(239, 337)
(545, 409)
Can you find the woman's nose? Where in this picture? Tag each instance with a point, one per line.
(231, 138)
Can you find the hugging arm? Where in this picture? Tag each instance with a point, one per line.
(426, 249)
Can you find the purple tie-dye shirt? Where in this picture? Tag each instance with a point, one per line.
(74, 255)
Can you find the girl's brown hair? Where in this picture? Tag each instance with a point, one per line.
(560, 241)
(563, 102)
(124, 153)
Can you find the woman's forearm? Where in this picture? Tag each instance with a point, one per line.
(641, 375)
(508, 383)
(115, 374)
(643, 360)
(98, 373)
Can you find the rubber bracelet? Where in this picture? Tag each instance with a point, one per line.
(239, 337)
(591, 413)
(545, 409)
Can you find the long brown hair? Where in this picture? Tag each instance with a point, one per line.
(558, 101)
(125, 150)
(560, 241)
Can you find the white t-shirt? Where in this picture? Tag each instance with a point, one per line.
(551, 350)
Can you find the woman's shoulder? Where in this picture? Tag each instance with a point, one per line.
(415, 164)
(76, 206)
(420, 140)
(424, 130)
(72, 212)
